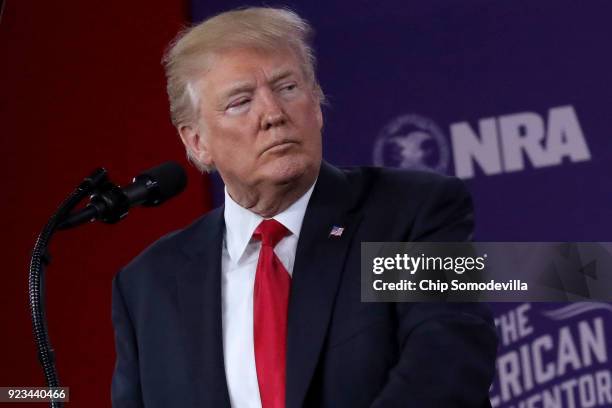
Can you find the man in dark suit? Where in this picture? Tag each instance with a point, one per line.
(258, 302)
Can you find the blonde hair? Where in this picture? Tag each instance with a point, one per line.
(256, 27)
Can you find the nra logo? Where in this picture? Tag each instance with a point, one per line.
(496, 145)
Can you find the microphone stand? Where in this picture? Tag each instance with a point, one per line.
(36, 278)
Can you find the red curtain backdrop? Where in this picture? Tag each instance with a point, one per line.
(81, 86)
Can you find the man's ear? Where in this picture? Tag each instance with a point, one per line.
(196, 145)
(318, 100)
(319, 114)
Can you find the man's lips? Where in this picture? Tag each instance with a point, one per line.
(279, 146)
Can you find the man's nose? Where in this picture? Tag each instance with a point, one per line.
(272, 113)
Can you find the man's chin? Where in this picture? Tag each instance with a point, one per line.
(288, 170)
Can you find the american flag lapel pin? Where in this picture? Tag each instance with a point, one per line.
(336, 231)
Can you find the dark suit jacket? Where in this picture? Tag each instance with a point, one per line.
(340, 352)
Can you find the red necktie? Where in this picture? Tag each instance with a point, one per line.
(270, 302)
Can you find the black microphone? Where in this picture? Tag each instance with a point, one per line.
(110, 203)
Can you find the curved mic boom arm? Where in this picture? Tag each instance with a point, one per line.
(109, 203)
(39, 259)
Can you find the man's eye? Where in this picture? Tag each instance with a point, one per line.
(239, 102)
(238, 106)
(288, 87)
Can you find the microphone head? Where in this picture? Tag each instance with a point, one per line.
(162, 182)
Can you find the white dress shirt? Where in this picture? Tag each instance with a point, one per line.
(238, 265)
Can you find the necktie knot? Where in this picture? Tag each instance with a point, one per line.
(270, 232)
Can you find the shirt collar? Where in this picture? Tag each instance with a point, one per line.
(240, 223)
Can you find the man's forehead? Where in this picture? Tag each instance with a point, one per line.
(246, 67)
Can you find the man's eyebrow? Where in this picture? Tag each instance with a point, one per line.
(246, 86)
(236, 89)
(280, 75)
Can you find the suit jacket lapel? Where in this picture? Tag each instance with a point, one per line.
(318, 267)
(199, 285)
